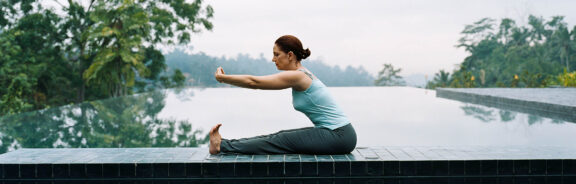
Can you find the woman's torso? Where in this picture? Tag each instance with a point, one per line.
(318, 105)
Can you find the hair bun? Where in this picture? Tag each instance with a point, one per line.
(306, 53)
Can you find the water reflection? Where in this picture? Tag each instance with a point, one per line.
(129, 121)
(487, 114)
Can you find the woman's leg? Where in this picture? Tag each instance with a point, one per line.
(265, 144)
(308, 140)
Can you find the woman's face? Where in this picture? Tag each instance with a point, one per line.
(281, 58)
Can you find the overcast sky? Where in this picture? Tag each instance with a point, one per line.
(415, 35)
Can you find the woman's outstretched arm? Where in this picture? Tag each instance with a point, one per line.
(282, 80)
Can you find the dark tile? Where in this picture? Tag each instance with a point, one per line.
(94, 170)
(441, 168)
(374, 168)
(11, 171)
(325, 168)
(554, 167)
(276, 165)
(537, 180)
(342, 168)
(391, 168)
(161, 170)
(60, 171)
(554, 179)
(424, 168)
(110, 170)
(209, 169)
(309, 168)
(324, 158)
(473, 180)
(77, 170)
(242, 169)
(537, 167)
(276, 158)
(226, 169)
(407, 168)
(292, 169)
(358, 168)
(521, 167)
(473, 168)
(177, 170)
(244, 158)
(489, 167)
(340, 158)
(505, 167)
(27, 171)
(259, 169)
(505, 180)
(228, 158)
(308, 158)
(127, 170)
(193, 169)
(457, 168)
(571, 179)
(44, 171)
(569, 167)
(144, 170)
(489, 180)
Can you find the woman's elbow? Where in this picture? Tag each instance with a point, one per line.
(252, 84)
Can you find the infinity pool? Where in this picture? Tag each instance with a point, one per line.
(382, 116)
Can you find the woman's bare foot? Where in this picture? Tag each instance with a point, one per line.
(215, 140)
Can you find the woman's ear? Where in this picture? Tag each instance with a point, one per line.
(290, 55)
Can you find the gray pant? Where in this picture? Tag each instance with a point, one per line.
(309, 140)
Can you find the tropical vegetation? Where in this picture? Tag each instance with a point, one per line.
(506, 54)
(86, 50)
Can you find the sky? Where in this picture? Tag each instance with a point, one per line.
(418, 36)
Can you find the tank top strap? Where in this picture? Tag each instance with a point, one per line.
(307, 73)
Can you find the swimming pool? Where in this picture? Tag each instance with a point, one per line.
(382, 116)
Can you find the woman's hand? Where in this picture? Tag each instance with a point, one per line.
(219, 73)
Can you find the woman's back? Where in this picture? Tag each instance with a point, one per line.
(318, 105)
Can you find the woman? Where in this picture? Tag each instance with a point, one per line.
(332, 132)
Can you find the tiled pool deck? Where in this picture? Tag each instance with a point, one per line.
(556, 103)
(375, 162)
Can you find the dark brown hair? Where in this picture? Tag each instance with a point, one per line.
(289, 43)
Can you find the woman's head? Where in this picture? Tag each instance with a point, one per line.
(289, 43)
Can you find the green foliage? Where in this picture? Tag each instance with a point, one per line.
(567, 79)
(463, 79)
(508, 55)
(388, 76)
(29, 63)
(94, 49)
(441, 80)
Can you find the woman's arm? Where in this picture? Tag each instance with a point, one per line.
(282, 80)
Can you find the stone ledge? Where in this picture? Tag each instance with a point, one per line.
(555, 103)
(391, 161)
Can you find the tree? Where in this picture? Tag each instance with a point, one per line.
(94, 49)
(388, 76)
(513, 55)
(441, 79)
(122, 28)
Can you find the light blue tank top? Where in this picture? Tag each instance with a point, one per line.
(318, 105)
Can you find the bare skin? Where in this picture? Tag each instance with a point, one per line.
(215, 140)
(288, 78)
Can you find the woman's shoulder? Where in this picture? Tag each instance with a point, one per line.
(301, 80)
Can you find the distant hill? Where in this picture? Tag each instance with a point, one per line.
(199, 69)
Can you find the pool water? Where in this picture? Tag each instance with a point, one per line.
(382, 116)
